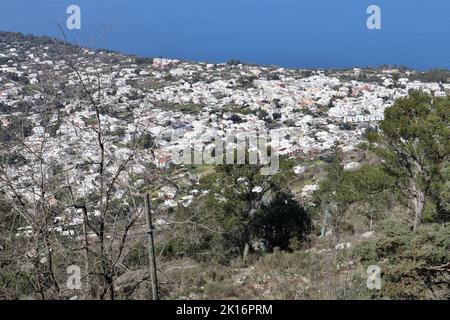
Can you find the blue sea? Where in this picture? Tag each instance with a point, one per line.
(288, 33)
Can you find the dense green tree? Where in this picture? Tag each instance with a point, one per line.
(367, 190)
(414, 145)
(280, 221)
(370, 188)
(221, 224)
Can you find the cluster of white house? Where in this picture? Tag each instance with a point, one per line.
(307, 110)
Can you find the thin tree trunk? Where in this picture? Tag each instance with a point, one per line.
(246, 250)
(419, 203)
(151, 248)
(86, 263)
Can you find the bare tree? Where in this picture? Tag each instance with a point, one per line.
(77, 199)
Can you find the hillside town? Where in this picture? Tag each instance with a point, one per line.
(318, 111)
(226, 180)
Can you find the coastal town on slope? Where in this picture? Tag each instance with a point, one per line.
(321, 111)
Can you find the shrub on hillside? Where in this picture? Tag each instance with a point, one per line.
(414, 265)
